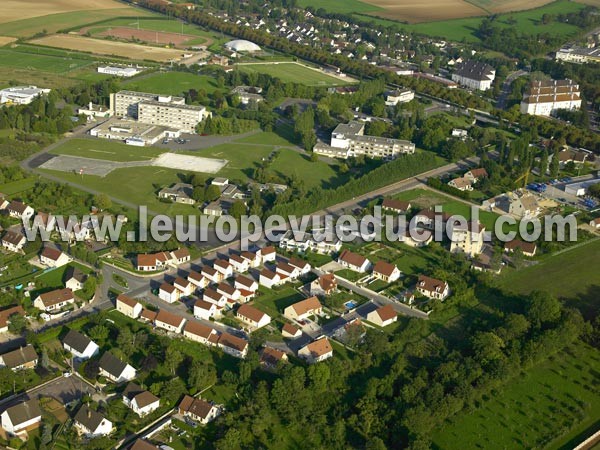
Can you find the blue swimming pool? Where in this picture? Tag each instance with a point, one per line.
(350, 304)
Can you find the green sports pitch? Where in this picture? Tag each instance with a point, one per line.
(42, 61)
(294, 73)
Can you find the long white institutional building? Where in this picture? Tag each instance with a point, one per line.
(544, 98)
(153, 109)
(349, 140)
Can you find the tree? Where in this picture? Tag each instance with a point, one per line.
(554, 165)
(542, 308)
(91, 369)
(99, 333)
(202, 375)
(102, 201)
(212, 193)
(172, 359)
(198, 194)
(44, 360)
(544, 163)
(17, 323)
(238, 209)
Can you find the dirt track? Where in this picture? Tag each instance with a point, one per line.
(151, 37)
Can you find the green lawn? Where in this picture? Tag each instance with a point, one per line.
(274, 301)
(106, 149)
(528, 22)
(172, 83)
(266, 138)
(293, 72)
(546, 407)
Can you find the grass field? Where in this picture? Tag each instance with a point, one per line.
(13, 58)
(293, 72)
(571, 275)
(111, 48)
(341, 6)
(16, 187)
(544, 408)
(172, 83)
(53, 22)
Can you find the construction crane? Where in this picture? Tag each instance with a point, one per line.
(524, 177)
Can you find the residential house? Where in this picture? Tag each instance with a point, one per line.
(13, 241)
(200, 333)
(52, 257)
(467, 238)
(116, 370)
(19, 359)
(211, 274)
(290, 331)
(429, 219)
(128, 306)
(270, 357)
(303, 309)
(432, 288)
(232, 294)
(461, 183)
(268, 254)
(168, 293)
(396, 206)
(233, 345)
(197, 279)
(198, 410)
(245, 283)
(354, 261)
(74, 278)
(21, 418)
(269, 278)
(54, 300)
(326, 284)
(152, 261)
(224, 268)
(383, 316)
(252, 316)
(386, 272)
(302, 266)
(169, 321)
(212, 296)
(527, 248)
(252, 258)
(595, 223)
(476, 175)
(185, 287)
(79, 345)
(91, 423)
(286, 271)
(316, 351)
(180, 256)
(148, 316)
(6, 314)
(19, 210)
(140, 401)
(205, 310)
(239, 264)
(392, 98)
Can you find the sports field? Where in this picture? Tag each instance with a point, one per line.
(294, 73)
(547, 407)
(14, 58)
(102, 47)
(172, 83)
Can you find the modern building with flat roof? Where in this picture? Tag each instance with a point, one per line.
(21, 95)
(348, 139)
(125, 72)
(132, 132)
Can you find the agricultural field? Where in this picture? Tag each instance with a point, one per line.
(546, 407)
(417, 11)
(110, 48)
(172, 83)
(528, 22)
(50, 17)
(295, 73)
